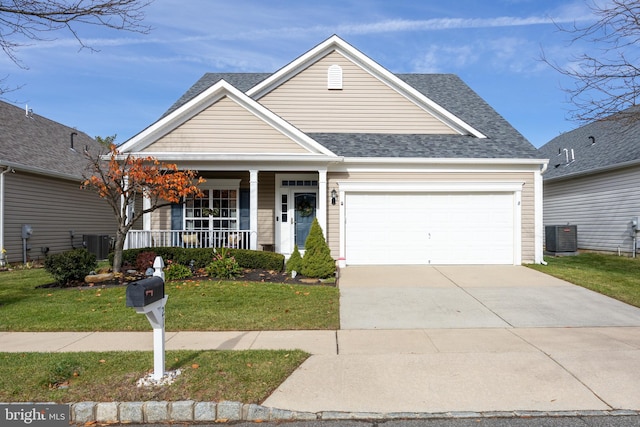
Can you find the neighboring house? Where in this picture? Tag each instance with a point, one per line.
(41, 168)
(398, 169)
(592, 182)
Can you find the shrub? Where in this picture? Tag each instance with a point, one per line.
(71, 265)
(295, 261)
(202, 257)
(317, 260)
(258, 259)
(177, 271)
(145, 260)
(223, 265)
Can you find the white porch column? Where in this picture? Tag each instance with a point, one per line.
(253, 211)
(322, 205)
(146, 218)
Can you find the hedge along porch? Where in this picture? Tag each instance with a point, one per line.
(380, 159)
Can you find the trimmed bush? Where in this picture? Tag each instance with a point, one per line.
(258, 259)
(317, 261)
(295, 261)
(69, 266)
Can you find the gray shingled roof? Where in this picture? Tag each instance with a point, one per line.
(42, 144)
(447, 90)
(615, 141)
(241, 81)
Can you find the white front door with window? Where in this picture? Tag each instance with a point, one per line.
(296, 207)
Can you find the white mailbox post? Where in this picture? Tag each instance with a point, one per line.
(147, 297)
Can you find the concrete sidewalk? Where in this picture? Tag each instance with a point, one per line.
(313, 342)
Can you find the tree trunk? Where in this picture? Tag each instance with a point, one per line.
(117, 251)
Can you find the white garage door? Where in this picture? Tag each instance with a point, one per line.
(417, 228)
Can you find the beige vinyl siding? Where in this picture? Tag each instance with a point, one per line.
(53, 207)
(528, 207)
(365, 104)
(601, 206)
(225, 127)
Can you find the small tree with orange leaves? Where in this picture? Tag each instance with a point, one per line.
(119, 179)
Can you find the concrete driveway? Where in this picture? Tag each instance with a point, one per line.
(496, 339)
(418, 297)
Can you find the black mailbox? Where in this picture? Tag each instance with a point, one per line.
(144, 292)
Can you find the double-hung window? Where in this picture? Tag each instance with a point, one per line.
(217, 209)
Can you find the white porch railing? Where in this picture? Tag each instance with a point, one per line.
(240, 239)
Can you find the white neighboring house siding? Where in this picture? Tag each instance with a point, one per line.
(52, 207)
(601, 206)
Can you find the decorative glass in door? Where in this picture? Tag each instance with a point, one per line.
(305, 212)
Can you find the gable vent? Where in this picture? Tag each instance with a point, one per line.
(334, 77)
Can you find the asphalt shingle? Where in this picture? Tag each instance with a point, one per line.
(597, 145)
(39, 143)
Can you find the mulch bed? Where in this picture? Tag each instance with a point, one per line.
(249, 275)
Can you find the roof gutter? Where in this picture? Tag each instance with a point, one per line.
(594, 171)
(39, 171)
(448, 161)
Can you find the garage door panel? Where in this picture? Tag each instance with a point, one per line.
(430, 228)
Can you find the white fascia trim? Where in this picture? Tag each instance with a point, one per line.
(436, 164)
(208, 98)
(240, 157)
(430, 187)
(436, 160)
(372, 67)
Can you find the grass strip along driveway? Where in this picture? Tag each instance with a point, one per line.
(615, 276)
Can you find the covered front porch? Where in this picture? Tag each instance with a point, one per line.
(254, 209)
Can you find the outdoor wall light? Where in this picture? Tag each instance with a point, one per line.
(334, 196)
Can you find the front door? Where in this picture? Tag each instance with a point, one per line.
(305, 212)
(297, 199)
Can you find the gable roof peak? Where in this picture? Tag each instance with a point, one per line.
(335, 43)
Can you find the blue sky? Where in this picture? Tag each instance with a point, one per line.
(493, 45)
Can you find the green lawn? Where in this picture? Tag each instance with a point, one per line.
(245, 376)
(614, 276)
(203, 305)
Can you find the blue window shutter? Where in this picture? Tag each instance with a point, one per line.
(176, 216)
(245, 214)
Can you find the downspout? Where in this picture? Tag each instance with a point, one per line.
(3, 261)
(539, 255)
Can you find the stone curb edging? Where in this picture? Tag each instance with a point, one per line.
(192, 411)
